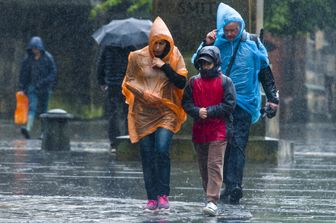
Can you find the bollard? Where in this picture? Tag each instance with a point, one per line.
(55, 130)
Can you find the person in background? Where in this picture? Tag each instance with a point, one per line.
(245, 61)
(209, 99)
(37, 79)
(153, 87)
(111, 67)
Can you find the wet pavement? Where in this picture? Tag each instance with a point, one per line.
(87, 184)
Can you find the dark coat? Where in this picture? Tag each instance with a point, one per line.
(44, 79)
(112, 65)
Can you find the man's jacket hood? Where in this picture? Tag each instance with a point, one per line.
(35, 42)
(226, 15)
(214, 53)
(211, 51)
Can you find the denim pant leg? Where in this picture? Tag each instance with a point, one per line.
(32, 107)
(235, 154)
(163, 139)
(155, 155)
(147, 152)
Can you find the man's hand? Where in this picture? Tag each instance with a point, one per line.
(157, 62)
(210, 37)
(203, 113)
(273, 106)
(270, 110)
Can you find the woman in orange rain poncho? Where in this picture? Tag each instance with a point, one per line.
(153, 87)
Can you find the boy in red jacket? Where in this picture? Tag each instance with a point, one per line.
(209, 99)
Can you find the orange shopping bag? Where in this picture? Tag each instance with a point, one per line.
(21, 111)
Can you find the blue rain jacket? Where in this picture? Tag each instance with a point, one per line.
(249, 60)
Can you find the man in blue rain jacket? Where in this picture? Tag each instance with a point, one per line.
(37, 78)
(249, 67)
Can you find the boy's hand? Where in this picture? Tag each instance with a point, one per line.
(157, 62)
(203, 113)
(210, 37)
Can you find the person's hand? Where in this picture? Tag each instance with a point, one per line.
(270, 110)
(203, 113)
(157, 62)
(211, 37)
(103, 88)
(273, 106)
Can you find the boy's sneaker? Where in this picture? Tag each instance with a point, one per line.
(210, 209)
(151, 205)
(163, 202)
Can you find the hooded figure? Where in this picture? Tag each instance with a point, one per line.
(249, 67)
(210, 99)
(153, 87)
(211, 55)
(248, 62)
(42, 78)
(37, 78)
(154, 100)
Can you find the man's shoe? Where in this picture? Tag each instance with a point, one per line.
(224, 196)
(151, 205)
(25, 133)
(236, 195)
(163, 202)
(210, 209)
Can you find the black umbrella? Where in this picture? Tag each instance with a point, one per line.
(124, 33)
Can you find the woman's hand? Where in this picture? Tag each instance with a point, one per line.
(157, 62)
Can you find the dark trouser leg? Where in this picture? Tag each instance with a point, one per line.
(163, 139)
(117, 113)
(235, 154)
(148, 165)
(43, 100)
(109, 114)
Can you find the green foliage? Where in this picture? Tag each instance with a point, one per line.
(133, 6)
(296, 17)
(138, 4)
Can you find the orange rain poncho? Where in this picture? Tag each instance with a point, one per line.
(153, 100)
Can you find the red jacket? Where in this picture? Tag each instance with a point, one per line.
(217, 95)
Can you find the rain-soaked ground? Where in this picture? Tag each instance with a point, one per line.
(87, 184)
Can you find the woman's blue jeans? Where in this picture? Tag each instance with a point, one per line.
(155, 155)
